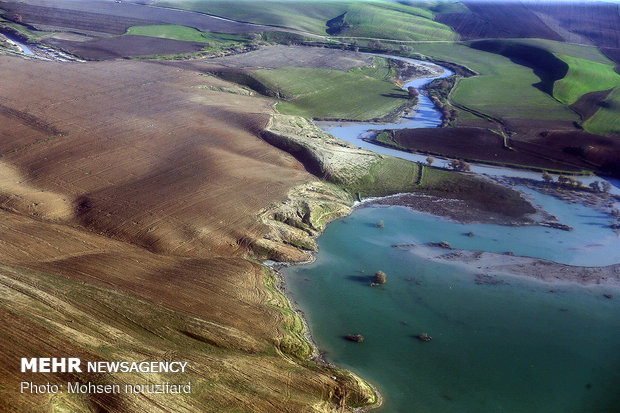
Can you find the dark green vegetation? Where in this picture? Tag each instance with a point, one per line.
(389, 176)
(396, 175)
(606, 120)
(482, 194)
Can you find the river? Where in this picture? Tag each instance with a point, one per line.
(518, 345)
(25, 49)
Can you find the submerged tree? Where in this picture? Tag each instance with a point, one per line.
(562, 179)
(459, 165)
(595, 186)
(430, 160)
(606, 186)
(380, 277)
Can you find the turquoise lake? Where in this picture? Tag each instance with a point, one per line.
(523, 346)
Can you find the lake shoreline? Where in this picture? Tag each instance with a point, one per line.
(318, 356)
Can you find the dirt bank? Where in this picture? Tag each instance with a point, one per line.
(489, 265)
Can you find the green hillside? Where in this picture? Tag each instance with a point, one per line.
(378, 19)
(584, 76)
(360, 94)
(606, 121)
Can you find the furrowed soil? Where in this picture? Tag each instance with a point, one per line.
(114, 18)
(273, 57)
(108, 48)
(571, 151)
(575, 22)
(473, 144)
(126, 236)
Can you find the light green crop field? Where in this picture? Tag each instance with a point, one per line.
(584, 76)
(377, 19)
(306, 16)
(569, 49)
(503, 89)
(393, 21)
(606, 120)
(360, 94)
(187, 34)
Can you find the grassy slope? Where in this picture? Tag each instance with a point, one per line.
(584, 76)
(394, 21)
(503, 88)
(183, 33)
(321, 93)
(381, 19)
(575, 50)
(24, 31)
(305, 16)
(393, 175)
(606, 121)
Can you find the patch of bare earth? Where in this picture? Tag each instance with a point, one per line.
(107, 48)
(273, 57)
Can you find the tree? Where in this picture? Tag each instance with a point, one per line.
(375, 44)
(595, 186)
(412, 92)
(430, 160)
(459, 165)
(606, 186)
(562, 179)
(380, 277)
(546, 176)
(17, 18)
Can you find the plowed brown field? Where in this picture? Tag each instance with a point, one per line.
(128, 199)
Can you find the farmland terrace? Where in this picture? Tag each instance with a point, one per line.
(133, 188)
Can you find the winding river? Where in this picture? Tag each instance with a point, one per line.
(514, 345)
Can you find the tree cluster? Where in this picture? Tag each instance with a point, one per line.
(460, 166)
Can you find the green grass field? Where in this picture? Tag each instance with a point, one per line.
(570, 49)
(183, 33)
(606, 121)
(393, 21)
(360, 94)
(305, 16)
(584, 76)
(378, 19)
(503, 89)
